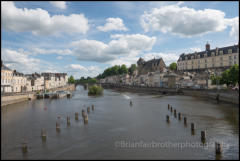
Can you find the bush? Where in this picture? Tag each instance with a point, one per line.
(95, 90)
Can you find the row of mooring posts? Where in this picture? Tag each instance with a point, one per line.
(43, 131)
(218, 146)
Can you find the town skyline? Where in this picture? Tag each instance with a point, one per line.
(110, 33)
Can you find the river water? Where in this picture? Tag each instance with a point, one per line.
(116, 130)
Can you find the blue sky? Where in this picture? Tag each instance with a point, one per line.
(84, 38)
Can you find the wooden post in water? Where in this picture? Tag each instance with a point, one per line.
(24, 148)
(130, 102)
(168, 106)
(68, 120)
(171, 108)
(43, 134)
(179, 116)
(85, 119)
(185, 120)
(88, 110)
(167, 117)
(57, 126)
(218, 148)
(175, 113)
(192, 126)
(76, 116)
(203, 136)
(83, 113)
(92, 107)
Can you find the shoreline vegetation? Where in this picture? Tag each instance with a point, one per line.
(95, 90)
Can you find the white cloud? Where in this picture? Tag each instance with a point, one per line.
(39, 21)
(168, 58)
(78, 66)
(24, 63)
(59, 4)
(122, 45)
(51, 51)
(183, 21)
(59, 57)
(78, 70)
(195, 49)
(113, 24)
(234, 23)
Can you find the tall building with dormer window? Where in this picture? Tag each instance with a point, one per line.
(209, 59)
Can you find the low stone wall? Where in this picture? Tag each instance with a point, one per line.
(15, 98)
(228, 96)
(10, 98)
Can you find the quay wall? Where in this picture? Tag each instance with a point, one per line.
(11, 98)
(228, 96)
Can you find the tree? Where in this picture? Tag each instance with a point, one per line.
(132, 68)
(229, 76)
(123, 69)
(71, 80)
(173, 66)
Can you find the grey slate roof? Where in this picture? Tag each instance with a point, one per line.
(224, 49)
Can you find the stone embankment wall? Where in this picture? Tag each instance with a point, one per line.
(10, 98)
(228, 96)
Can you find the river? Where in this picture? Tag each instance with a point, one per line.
(115, 127)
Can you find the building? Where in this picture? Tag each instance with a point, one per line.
(36, 82)
(169, 80)
(61, 79)
(19, 82)
(54, 80)
(6, 79)
(209, 59)
(150, 66)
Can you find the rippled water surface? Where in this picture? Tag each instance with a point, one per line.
(114, 124)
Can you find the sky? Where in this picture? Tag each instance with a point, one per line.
(85, 38)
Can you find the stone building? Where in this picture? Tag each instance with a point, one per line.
(150, 66)
(6, 79)
(19, 82)
(37, 82)
(49, 80)
(209, 59)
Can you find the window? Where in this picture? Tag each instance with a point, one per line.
(205, 60)
(205, 65)
(230, 63)
(235, 62)
(221, 58)
(221, 64)
(198, 61)
(212, 59)
(213, 65)
(235, 56)
(230, 57)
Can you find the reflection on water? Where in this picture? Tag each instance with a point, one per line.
(114, 122)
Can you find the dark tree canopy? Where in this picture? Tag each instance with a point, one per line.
(173, 66)
(71, 80)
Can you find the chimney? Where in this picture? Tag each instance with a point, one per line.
(207, 46)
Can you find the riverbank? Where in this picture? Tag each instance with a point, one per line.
(11, 98)
(228, 96)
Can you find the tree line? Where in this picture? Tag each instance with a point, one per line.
(117, 70)
(228, 77)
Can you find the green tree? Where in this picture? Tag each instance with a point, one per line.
(132, 68)
(173, 66)
(71, 80)
(123, 69)
(229, 76)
